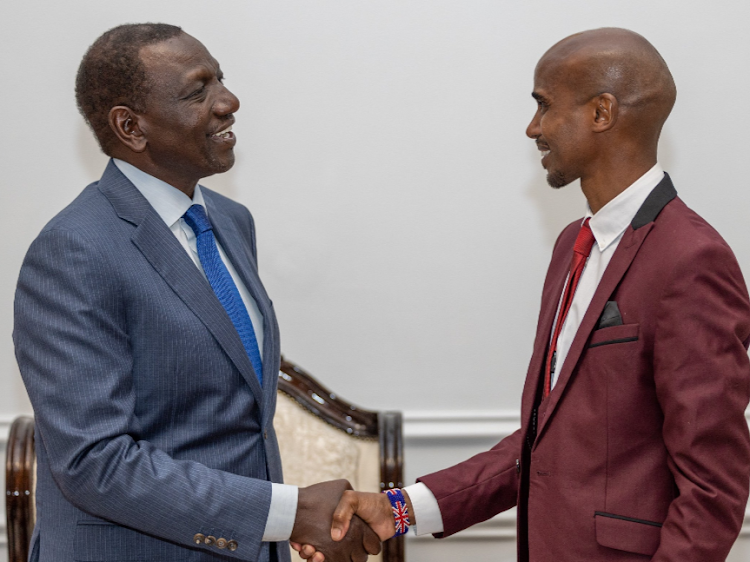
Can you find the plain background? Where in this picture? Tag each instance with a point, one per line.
(404, 220)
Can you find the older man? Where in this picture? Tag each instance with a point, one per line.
(146, 341)
(634, 444)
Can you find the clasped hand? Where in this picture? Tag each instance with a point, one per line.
(348, 538)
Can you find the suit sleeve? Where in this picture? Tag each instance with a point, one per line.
(478, 488)
(74, 354)
(702, 379)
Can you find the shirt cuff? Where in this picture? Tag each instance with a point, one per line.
(282, 513)
(426, 509)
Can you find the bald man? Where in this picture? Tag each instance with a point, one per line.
(634, 444)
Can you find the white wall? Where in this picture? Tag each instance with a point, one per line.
(381, 149)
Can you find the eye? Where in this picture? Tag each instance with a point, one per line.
(196, 94)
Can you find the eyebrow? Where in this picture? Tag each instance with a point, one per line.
(201, 73)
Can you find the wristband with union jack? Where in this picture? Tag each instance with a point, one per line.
(400, 512)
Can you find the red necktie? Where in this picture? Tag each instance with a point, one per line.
(581, 251)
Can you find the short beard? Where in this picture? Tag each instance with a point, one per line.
(557, 179)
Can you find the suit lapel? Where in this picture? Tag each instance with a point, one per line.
(623, 257)
(558, 273)
(165, 254)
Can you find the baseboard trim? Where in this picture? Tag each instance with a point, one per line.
(503, 528)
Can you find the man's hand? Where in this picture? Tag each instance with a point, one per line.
(374, 509)
(315, 509)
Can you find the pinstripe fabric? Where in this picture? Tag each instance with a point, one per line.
(150, 420)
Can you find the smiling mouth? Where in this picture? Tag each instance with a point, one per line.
(543, 151)
(224, 133)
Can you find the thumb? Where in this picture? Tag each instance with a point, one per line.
(343, 515)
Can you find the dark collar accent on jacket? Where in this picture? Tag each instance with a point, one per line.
(662, 194)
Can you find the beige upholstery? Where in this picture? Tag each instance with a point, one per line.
(304, 437)
(314, 451)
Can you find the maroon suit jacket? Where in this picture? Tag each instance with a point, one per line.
(641, 452)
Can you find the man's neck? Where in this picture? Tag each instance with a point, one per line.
(607, 182)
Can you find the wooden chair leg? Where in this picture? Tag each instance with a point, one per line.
(19, 488)
(391, 471)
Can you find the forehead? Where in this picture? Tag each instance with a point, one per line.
(556, 75)
(181, 58)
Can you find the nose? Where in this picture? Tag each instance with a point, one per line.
(534, 130)
(226, 102)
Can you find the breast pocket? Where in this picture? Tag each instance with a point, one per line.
(624, 333)
(100, 541)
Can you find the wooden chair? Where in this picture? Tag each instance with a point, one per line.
(361, 445)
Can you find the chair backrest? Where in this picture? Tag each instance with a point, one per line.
(361, 445)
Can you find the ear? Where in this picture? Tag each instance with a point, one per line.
(126, 125)
(606, 110)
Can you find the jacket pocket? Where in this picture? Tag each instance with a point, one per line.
(614, 334)
(101, 541)
(628, 534)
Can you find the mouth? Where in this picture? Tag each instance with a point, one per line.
(543, 151)
(224, 133)
(225, 136)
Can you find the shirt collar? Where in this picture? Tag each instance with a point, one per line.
(169, 202)
(612, 219)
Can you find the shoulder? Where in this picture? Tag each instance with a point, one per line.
(82, 212)
(683, 255)
(88, 222)
(682, 234)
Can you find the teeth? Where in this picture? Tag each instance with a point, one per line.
(223, 134)
(544, 153)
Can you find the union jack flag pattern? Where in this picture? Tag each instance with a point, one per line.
(400, 511)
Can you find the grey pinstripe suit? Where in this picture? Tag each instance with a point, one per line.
(151, 424)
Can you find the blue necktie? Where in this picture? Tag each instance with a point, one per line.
(222, 284)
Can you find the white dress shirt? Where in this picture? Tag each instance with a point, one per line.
(608, 227)
(171, 204)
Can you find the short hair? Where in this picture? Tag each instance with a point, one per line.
(111, 73)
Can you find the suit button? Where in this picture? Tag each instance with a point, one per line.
(232, 545)
(210, 540)
(221, 543)
(265, 435)
(518, 466)
(198, 538)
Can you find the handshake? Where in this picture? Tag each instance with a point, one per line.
(336, 524)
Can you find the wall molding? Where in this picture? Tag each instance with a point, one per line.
(462, 424)
(458, 424)
(436, 427)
